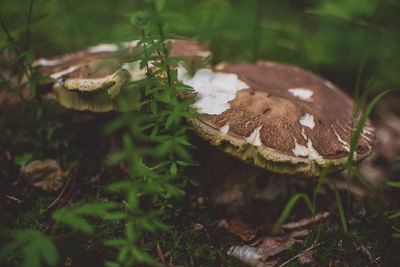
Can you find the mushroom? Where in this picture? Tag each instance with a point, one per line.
(97, 78)
(278, 117)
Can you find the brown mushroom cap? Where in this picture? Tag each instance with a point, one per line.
(278, 117)
(80, 64)
(92, 79)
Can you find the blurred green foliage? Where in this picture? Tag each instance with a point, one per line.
(330, 37)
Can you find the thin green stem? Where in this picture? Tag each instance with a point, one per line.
(10, 85)
(146, 55)
(9, 37)
(28, 22)
(359, 101)
(365, 52)
(286, 211)
(162, 38)
(257, 29)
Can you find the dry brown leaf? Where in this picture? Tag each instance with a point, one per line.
(270, 246)
(239, 228)
(257, 253)
(307, 257)
(249, 256)
(159, 253)
(45, 174)
(6, 154)
(223, 224)
(246, 254)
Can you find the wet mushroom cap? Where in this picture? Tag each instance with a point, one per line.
(278, 117)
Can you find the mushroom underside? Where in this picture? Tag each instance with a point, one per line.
(270, 159)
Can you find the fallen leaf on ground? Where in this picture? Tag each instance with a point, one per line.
(237, 227)
(307, 257)
(45, 174)
(6, 154)
(159, 253)
(257, 253)
(270, 246)
(248, 255)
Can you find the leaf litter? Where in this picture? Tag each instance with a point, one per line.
(45, 174)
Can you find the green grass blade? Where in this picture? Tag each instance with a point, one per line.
(286, 211)
(393, 216)
(360, 126)
(393, 184)
(340, 207)
(321, 179)
(356, 136)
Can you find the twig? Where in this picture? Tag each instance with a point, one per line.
(50, 224)
(160, 253)
(72, 188)
(307, 221)
(59, 196)
(19, 201)
(298, 255)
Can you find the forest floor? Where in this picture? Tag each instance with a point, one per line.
(232, 205)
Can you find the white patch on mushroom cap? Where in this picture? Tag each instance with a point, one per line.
(48, 62)
(366, 137)
(303, 133)
(307, 120)
(111, 47)
(312, 153)
(254, 137)
(63, 72)
(103, 48)
(224, 129)
(90, 84)
(203, 53)
(300, 150)
(134, 70)
(346, 145)
(301, 93)
(329, 84)
(215, 90)
(368, 130)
